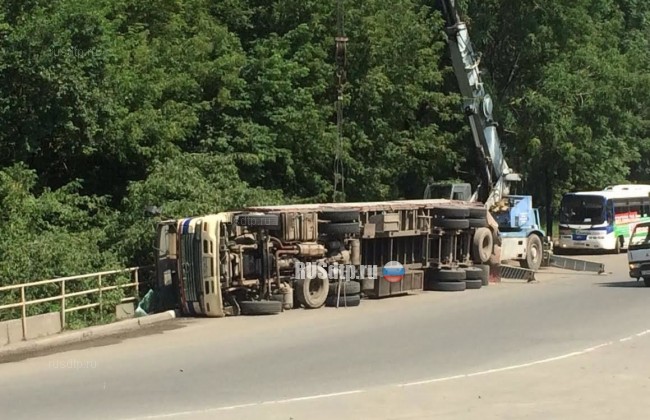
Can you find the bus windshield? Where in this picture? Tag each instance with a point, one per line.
(582, 209)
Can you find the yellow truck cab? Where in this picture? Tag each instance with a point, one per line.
(638, 254)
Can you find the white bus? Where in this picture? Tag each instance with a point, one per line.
(603, 220)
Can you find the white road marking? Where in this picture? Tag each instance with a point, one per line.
(503, 369)
(431, 381)
(234, 407)
(423, 382)
(314, 397)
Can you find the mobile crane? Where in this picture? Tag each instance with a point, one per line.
(520, 233)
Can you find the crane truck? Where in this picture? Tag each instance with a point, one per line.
(520, 234)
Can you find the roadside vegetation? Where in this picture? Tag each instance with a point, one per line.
(196, 106)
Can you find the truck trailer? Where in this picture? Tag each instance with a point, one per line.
(269, 258)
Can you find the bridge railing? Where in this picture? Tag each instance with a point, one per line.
(90, 284)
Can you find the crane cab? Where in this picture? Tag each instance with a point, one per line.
(448, 190)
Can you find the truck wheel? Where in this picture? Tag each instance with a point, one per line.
(450, 212)
(448, 286)
(348, 288)
(482, 245)
(534, 253)
(339, 216)
(262, 307)
(478, 223)
(473, 273)
(451, 223)
(350, 228)
(485, 274)
(447, 274)
(312, 287)
(354, 300)
(473, 284)
(477, 213)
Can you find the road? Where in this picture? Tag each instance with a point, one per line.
(410, 357)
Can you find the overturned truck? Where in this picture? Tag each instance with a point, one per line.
(264, 259)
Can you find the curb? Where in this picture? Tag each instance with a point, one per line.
(85, 334)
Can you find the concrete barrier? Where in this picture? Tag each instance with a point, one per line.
(86, 334)
(37, 326)
(125, 311)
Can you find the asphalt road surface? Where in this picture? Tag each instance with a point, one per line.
(381, 360)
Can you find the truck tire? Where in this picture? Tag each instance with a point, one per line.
(477, 213)
(448, 286)
(348, 288)
(473, 284)
(450, 212)
(312, 287)
(349, 228)
(340, 216)
(473, 273)
(447, 275)
(451, 223)
(534, 253)
(485, 274)
(478, 223)
(482, 245)
(261, 307)
(344, 301)
(263, 221)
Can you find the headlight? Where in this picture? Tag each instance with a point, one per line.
(634, 265)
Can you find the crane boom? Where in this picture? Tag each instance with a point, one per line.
(495, 173)
(518, 221)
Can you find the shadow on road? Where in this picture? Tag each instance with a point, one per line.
(99, 342)
(632, 283)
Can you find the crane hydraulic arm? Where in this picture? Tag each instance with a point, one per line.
(477, 105)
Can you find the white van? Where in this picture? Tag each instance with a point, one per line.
(638, 254)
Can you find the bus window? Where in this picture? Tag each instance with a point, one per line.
(636, 209)
(621, 210)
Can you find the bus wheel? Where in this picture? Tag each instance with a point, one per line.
(646, 281)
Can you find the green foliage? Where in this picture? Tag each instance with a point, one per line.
(188, 185)
(571, 80)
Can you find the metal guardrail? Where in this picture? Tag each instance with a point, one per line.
(517, 273)
(576, 264)
(62, 281)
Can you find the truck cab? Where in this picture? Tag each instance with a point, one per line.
(638, 253)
